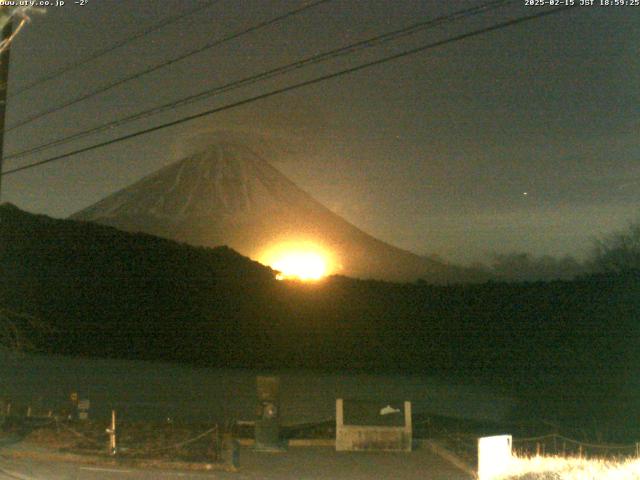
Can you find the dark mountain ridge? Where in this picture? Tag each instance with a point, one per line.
(112, 293)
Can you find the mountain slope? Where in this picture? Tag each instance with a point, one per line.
(228, 195)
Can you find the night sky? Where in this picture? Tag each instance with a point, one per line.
(522, 139)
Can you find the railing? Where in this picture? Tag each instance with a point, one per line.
(556, 444)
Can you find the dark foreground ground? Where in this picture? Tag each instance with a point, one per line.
(300, 463)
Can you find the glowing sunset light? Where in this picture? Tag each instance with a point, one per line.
(300, 265)
(298, 261)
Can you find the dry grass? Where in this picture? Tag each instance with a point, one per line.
(135, 440)
(572, 468)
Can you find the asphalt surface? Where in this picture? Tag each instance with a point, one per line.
(300, 463)
(28, 469)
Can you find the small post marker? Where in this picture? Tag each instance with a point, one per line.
(113, 447)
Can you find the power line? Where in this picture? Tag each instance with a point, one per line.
(296, 86)
(171, 61)
(115, 46)
(313, 59)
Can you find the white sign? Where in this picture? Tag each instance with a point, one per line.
(494, 456)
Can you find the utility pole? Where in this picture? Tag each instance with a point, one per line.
(4, 79)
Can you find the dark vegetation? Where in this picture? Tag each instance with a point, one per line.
(20, 332)
(522, 267)
(147, 440)
(108, 293)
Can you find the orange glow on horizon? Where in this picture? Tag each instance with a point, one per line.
(298, 261)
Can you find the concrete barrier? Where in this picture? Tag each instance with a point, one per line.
(373, 437)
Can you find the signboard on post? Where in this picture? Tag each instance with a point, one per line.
(83, 409)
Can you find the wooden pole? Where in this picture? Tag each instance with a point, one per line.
(113, 446)
(4, 81)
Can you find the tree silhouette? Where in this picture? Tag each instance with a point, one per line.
(618, 252)
(519, 266)
(19, 331)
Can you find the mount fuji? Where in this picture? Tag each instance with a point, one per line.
(228, 195)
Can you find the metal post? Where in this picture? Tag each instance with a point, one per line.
(4, 80)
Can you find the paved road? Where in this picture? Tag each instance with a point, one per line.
(316, 463)
(38, 470)
(327, 464)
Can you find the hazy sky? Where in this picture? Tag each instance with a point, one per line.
(433, 152)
